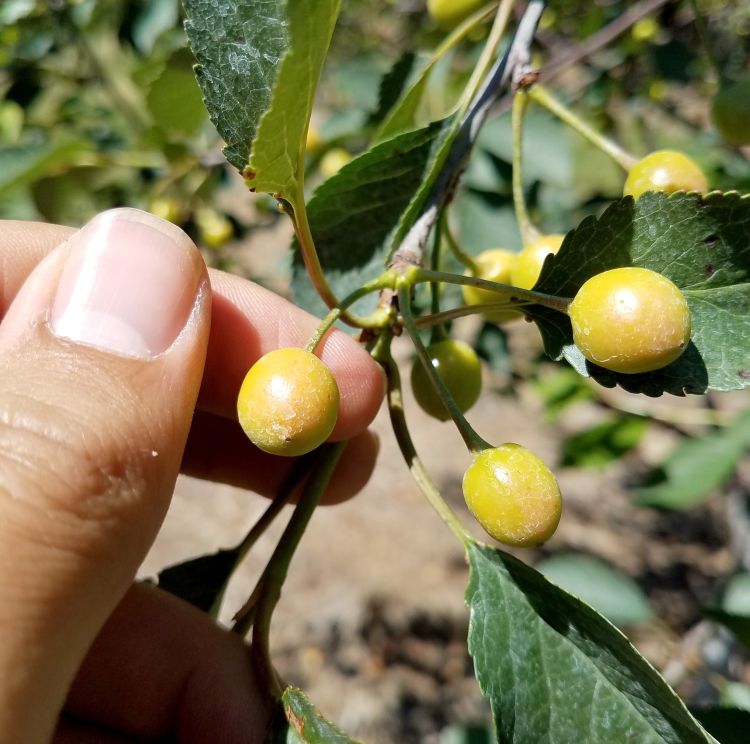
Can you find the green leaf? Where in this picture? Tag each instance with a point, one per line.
(556, 671)
(728, 725)
(200, 581)
(279, 147)
(696, 468)
(392, 86)
(24, 164)
(239, 47)
(300, 722)
(174, 100)
(561, 389)
(604, 442)
(703, 245)
(354, 214)
(735, 596)
(608, 591)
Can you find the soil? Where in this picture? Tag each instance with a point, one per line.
(372, 622)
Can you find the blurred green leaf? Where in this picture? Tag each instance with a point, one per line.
(23, 164)
(492, 346)
(735, 695)
(556, 671)
(608, 591)
(156, 17)
(735, 596)
(604, 442)
(486, 221)
(738, 624)
(708, 258)
(561, 389)
(696, 468)
(174, 99)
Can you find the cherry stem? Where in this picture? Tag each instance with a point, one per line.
(429, 321)
(438, 332)
(513, 295)
(276, 571)
(544, 98)
(528, 232)
(376, 320)
(457, 251)
(406, 445)
(473, 441)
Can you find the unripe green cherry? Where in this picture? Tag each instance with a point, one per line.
(449, 13)
(667, 171)
(513, 495)
(288, 402)
(459, 368)
(495, 265)
(630, 320)
(730, 112)
(529, 262)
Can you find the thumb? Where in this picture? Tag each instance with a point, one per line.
(101, 357)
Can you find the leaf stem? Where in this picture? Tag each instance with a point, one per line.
(515, 295)
(528, 232)
(406, 445)
(277, 569)
(376, 320)
(473, 441)
(544, 98)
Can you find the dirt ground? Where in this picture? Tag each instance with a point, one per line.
(372, 622)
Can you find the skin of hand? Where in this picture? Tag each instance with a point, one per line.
(120, 360)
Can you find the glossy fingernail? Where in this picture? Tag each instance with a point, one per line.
(129, 284)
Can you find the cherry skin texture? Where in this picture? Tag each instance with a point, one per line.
(449, 13)
(667, 171)
(529, 262)
(730, 112)
(630, 320)
(495, 265)
(288, 402)
(513, 495)
(460, 370)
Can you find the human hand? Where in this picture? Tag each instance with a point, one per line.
(106, 348)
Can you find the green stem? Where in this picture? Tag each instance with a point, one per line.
(277, 569)
(487, 56)
(377, 320)
(473, 441)
(514, 295)
(429, 321)
(543, 97)
(528, 232)
(307, 248)
(406, 445)
(457, 251)
(438, 331)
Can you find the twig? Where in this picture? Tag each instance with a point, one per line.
(505, 69)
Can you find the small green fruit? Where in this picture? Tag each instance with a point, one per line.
(513, 495)
(449, 13)
(459, 368)
(495, 265)
(730, 112)
(630, 320)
